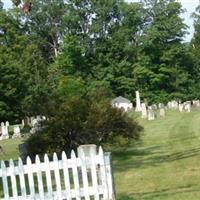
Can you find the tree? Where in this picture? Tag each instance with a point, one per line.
(160, 70)
(24, 84)
(45, 25)
(78, 120)
(194, 49)
(101, 43)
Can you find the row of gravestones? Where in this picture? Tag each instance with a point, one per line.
(33, 122)
(5, 133)
(150, 111)
(185, 106)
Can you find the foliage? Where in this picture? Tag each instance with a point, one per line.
(79, 121)
(61, 48)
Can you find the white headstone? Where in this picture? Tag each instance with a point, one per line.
(180, 107)
(23, 123)
(144, 111)
(161, 105)
(187, 107)
(151, 114)
(138, 104)
(87, 149)
(7, 123)
(154, 107)
(162, 112)
(4, 131)
(196, 103)
(16, 131)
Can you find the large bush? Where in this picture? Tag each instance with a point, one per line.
(79, 121)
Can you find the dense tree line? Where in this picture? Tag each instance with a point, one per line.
(118, 46)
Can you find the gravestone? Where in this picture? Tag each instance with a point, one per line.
(174, 104)
(17, 133)
(187, 107)
(4, 131)
(196, 103)
(138, 104)
(144, 111)
(161, 105)
(23, 151)
(169, 105)
(23, 123)
(33, 121)
(151, 114)
(7, 124)
(87, 149)
(181, 107)
(162, 112)
(154, 107)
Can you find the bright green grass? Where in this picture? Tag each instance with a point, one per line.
(10, 148)
(165, 165)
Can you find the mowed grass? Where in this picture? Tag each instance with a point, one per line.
(165, 164)
(10, 148)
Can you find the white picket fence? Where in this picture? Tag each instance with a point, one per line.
(74, 178)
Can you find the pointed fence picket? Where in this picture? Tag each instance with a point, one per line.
(88, 177)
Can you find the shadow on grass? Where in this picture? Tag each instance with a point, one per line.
(168, 192)
(124, 197)
(148, 157)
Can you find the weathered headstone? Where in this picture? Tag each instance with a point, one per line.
(196, 103)
(161, 105)
(23, 123)
(7, 123)
(154, 107)
(169, 105)
(187, 107)
(138, 104)
(33, 121)
(17, 133)
(23, 151)
(4, 131)
(144, 111)
(162, 112)
(151, 114)
(172, 104)
(87, 149)
(181, 107)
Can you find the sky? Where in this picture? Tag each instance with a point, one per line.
(188, 5)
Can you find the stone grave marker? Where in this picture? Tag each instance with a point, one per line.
(23, 151)
(162, 112)
(187, 107)
(144, 111)
(17, 133)
(4, 131)
(151, 114)
(138, 104)
(181, 107)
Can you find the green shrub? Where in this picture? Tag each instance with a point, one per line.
(82, 121)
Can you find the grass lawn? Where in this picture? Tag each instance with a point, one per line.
(10, 148)
(164, 165)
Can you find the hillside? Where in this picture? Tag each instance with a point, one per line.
(165, 165)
